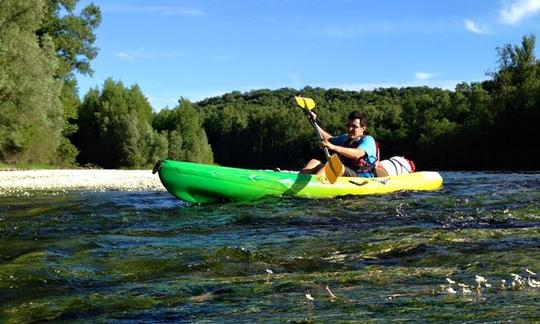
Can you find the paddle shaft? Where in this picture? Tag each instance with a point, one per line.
(333, 168)
(319, 134)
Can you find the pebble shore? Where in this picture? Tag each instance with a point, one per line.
(17, 182)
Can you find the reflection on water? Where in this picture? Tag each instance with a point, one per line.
(114, 256)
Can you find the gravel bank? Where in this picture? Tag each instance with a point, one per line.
(12, 182)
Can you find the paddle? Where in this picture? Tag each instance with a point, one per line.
(334, 167)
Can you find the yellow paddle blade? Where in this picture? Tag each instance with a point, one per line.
(300, 101)
(334, 168)
(305, 102)
(330, 175)
(310, 104)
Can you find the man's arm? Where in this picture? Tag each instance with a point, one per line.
(313, 116)
(367, 147)
(324, 133)
(348, 152)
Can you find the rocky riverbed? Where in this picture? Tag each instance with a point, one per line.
(23, 182)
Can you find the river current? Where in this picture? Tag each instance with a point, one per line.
(469, 252)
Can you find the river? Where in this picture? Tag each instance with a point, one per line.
(467, 252)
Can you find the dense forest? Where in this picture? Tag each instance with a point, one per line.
(490, 125)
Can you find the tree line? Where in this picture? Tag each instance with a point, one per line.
(478, 126)
(43, 44)
(489, 125)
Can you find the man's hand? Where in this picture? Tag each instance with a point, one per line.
(328, 145)
(311, 115)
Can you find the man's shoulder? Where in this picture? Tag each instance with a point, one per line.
(339, 139)
(367, 138)
(368, 144)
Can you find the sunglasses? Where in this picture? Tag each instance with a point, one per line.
(353, 126)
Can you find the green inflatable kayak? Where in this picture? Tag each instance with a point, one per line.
(202, 183)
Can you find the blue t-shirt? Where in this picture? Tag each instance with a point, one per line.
(366, 143)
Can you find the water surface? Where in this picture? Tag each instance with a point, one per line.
(145, 256)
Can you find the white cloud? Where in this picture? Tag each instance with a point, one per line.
(422, 76)
(295, 79)
(143, 54)
(442, 84)
(195, 96)
(473, 27)
(516, 10)
(160, 10)
(177, 11)
(124, 56)
(363, 86)
(161, 102)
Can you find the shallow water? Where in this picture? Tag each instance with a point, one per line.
(145, 256)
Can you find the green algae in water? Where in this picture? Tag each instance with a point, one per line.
(115, 256)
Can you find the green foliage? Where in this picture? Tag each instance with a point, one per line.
(43, 43)
(516, 97)
(257, 128)
(73, 37)
(114, 128)
(182, 127)
(488, 125)
(265, 129)
(31, 117)
(67, 152)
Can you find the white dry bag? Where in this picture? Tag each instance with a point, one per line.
(397, 165)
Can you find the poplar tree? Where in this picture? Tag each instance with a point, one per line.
(42, 44)
(31, 118)
(187, 139)
(115, 129)
(73, 37)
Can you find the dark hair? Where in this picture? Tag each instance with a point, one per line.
(359, 115)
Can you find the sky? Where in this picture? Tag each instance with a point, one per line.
(197, 49)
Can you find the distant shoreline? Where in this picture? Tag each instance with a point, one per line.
(13, 182)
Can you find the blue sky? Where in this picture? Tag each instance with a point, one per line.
(202, 48)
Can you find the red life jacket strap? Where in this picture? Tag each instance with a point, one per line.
(378, 152)
(411, 163)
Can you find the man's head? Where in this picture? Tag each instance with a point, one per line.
(356, 124)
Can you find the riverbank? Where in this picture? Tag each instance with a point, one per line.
(126, 180)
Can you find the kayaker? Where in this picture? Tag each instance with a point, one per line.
(357, 150)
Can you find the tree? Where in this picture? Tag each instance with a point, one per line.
(31, 117)
(186, 136)
(73, 37)
(516, 92)
(114, 128)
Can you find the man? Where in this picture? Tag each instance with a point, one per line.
(357, 150)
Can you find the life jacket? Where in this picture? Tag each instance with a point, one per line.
(361, 164)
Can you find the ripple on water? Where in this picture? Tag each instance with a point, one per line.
(145, 256)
